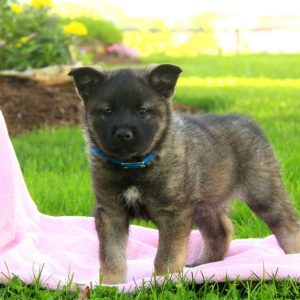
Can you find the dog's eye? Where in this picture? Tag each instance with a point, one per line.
(142, 111)
(107, 111)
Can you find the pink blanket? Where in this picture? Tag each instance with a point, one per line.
(67, 246)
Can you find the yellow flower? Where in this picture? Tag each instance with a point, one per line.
(16, 8)
(24, 39)
(41, 3)
(18, 44)
(75, 28)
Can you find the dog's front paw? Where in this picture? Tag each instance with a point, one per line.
(107, 277)
(161, 269)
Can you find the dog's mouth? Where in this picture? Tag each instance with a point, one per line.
(126, 154)
(122, 154)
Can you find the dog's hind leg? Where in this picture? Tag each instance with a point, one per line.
(278, 213)
(216, 230)
(273, 206)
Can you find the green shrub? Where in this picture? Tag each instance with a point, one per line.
(31, 37)
(102, 30)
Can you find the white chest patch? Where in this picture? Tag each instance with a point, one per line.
(132, 196)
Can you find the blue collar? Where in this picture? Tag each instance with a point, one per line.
(124, 164)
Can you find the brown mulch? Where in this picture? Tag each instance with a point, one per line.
(27, 105)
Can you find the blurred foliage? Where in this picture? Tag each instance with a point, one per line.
(31, 37)
(176, 40)
(171, 43)
(98, 29)
(191, 38)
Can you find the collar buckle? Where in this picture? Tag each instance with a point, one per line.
(128, 165)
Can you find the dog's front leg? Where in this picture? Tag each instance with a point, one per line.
(112, 228)
(172, 248)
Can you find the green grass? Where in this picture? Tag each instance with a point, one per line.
(251, 289)
(55, 166)
(264, 87)
(261, 65)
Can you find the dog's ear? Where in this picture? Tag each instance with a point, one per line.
(87, 80)
(163, 78)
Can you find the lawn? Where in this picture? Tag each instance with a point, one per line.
(264, 87)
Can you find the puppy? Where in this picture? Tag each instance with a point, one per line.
(150, 162)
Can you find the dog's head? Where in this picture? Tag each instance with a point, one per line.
(128, 110)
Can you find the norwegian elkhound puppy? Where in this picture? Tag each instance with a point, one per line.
(176, 170)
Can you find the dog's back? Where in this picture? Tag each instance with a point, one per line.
(227, 153)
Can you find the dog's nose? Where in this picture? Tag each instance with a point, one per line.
(124, 134)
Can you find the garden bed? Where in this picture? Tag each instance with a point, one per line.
(27, 104)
